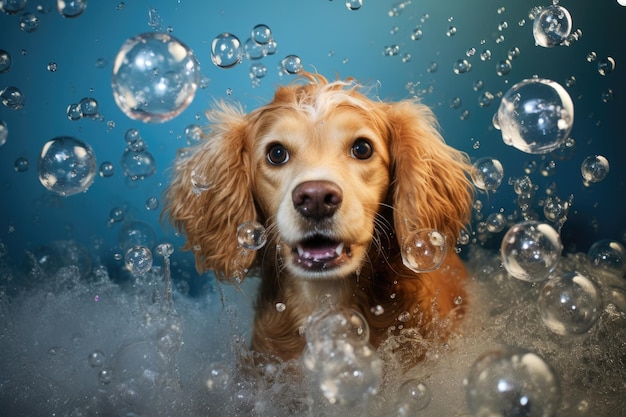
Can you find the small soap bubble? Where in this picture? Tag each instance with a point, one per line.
(138, 260)
(354, 4)
(461, 66)
(554, 209)
(258, 70)
(512, 382)
(608, 255)
(413, 396)
(503, 67)
(606, 65)
(12, 98)
(377, 310)
(52, 67)
(424, 250)
(280, 307)
(96, 359)
(199, 183)
(478, 85)
(291, 64)
(74, 112)
(106, 169)
(89, 107)
(71, 8)
(607, 95)
(337, 323)
(251, 235)
(4, 132)
(29, 22)
(591, 56)
(253, 50)
(106, 375)
(21, 164)
(164, 249)
(116, 215)
(261, 34)
(218, 378)
(138, 165)
(455, 103)
(66, 166)
(548, 168)
(536, 115)
(5, 61)
(485, 55)
(226, 50)
(485, 99)
(552, 26)
(531, 250)
(155, 77)
(513, 52)
(152, 203)
(417, 34)
(594, 168)
(570, 304)
(487, 173)
(12, 6)
(193, 134)
(495, 222)
(451, 31)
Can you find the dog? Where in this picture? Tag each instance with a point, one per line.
(338, 180)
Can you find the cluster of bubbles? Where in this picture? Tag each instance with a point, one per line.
(137, 161)
(155, 77)
(86, 107)
(512, 382)
(66, 166)
(535, 116)
(339, 357)
(424, 250)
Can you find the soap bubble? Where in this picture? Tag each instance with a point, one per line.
(138, 165)
(106, 375)
(218, 378)
(487, 173)
(535, 116)
(503, 67)
(21, 164)
(291, 64)
(495, 222)
(339, 356)
(12, 6)
(512, 382)
(66, 166)
(193, 134)
(530, 250)
(74, 112)
(354, 4)
(258, 70)
(29, 22)
(261, 34)
(116, 215)
(570, 304)
(253, 50)
(606, 65)
(609, 255)
(5, 61)
(106, 169)
(413, 396)
(71, 8)
(155, 77)
(251, 235)
(552, 26)
(4, 132)
(96, 359)
(424, 250)
(226, 50)
(138, 260)
(461, 66)
(88, 107)
(594, 168)
(152, 203)
(12, 98)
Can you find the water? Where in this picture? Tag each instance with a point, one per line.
(81, 334)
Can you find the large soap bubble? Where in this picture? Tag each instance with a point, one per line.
(531, 250)
(570, 304)
(226, 50)
(155, 77)
(535, 116)
(66, 166)
(552, 26)
(512, 382)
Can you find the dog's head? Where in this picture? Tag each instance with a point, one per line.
(318, 165)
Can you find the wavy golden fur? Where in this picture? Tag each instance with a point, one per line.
(338, 180)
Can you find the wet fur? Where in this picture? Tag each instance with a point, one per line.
(414, 181)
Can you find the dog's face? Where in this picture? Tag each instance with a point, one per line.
(321, 175)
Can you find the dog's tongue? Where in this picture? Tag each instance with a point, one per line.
(319, 251)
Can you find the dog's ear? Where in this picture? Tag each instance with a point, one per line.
(210, 194)
(430, 187)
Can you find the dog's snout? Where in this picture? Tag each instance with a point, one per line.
(317, 199)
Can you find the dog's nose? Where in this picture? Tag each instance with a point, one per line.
(317, 199)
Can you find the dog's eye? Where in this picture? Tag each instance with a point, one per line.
(277, 154)
(361, 149)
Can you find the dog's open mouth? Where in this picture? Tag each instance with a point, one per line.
(320, 253)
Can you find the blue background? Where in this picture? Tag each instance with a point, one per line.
(329, 39)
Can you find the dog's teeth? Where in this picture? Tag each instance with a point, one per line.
(339, 249)
(300, 250)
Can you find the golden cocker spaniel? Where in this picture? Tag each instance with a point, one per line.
(338, 180)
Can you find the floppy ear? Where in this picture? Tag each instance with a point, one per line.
(430, 186)
(211, 194)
